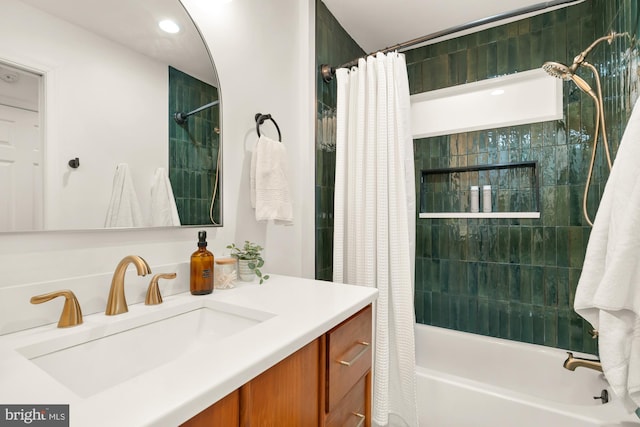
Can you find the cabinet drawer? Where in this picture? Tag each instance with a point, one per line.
(350, 411)
(349, 356)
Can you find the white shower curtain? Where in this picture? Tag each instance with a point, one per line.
(374, 220)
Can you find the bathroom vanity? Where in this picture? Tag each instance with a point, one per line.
(289, 352)
(326, 383)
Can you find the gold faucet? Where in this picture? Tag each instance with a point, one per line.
(71, 313)
(117, 303)
(575, 362)
(153, 292)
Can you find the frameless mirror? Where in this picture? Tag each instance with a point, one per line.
(88, 94)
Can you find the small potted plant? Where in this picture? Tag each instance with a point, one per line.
(249, 261)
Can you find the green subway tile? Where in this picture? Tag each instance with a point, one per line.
(563, 288)
(445, 313)
(538, 325)
(503, 244)
(418, 299)
(526, 274)
(503, 319)
(454, 287)
(493, 243)
(576, 247)
(562, 205)
(436, 309)
(427, 309)
(472, 307)
(537, 285)
(502, 282)
(562, 246)
(550, 286)
(463, 314)
(502, 57)
(515, 244)
(494, 319)
(574, 277)
(527, 323)
(537, 246)
(483, 280)
(564, 327)
(576, 338)
(550, 327)
(515, 321)
(444, 275)
(515, 283)
(433, 275)
(482, 325)
(454, 313)
(472, 279)
(524, 51)
(550, 246)
(548, 208)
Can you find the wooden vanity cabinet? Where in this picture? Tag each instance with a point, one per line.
(327, 383)
(347, 373)
(225, 412)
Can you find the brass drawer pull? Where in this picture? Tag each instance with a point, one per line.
(357, 356)
(362, 418)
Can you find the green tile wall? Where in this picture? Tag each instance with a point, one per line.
(333, 46)
(193, 148)
(512, 278)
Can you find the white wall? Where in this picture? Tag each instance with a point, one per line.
(264, 55)
(103, 103)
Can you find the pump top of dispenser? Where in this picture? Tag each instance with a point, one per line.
(202, 238)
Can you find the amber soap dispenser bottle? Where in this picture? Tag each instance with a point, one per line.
(202, 267)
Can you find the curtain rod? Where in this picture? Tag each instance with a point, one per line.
(328, 72)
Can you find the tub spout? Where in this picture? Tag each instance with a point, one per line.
(575, 362)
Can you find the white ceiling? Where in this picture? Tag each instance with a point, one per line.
(377, 24)
(135, 24)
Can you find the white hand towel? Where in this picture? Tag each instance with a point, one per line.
(164, 211)
(124, 207)
(608, 293)
(269, 186)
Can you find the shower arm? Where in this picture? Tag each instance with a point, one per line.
(181, 118)
(580, 59)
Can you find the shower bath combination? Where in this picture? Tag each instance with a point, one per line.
(564, 72)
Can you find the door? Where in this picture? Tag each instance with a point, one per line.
(20, 170)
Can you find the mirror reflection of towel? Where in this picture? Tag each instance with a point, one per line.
(269, 186)
(164, 211)
(124, 207)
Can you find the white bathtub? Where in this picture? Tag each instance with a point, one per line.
(467, 380)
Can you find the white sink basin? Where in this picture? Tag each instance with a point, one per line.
(100, 356)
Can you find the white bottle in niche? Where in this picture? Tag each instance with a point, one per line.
(475, 198)
(486, 198)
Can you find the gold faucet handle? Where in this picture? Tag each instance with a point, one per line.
(71, 313)
(153, 292)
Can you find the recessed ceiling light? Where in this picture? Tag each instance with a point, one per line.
(497, 92)
(169, 26)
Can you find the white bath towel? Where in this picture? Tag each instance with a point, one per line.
(164, 211)
(124, 207)
(269, 186)
(608, 293)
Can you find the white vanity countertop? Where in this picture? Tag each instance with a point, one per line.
(170, 394)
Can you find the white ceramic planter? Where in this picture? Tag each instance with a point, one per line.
(244, 272)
